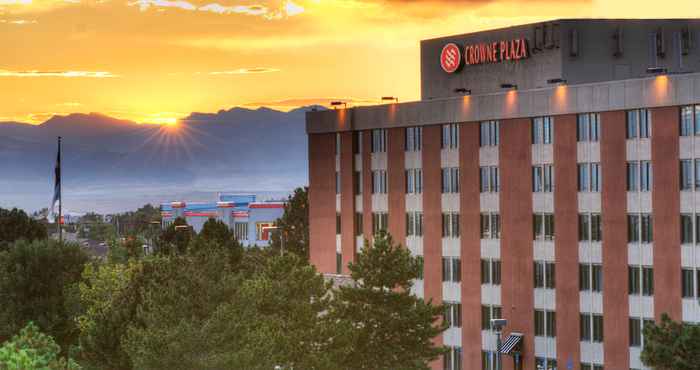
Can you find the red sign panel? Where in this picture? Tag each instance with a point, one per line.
(483, 53)
(451, 58)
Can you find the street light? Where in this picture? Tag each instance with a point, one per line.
(497, 326)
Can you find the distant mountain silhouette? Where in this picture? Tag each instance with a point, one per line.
(260, 149)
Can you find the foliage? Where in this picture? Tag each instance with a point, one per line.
(174, 240)
(122, 251)
(31, 349)
(670, 345)
(294, 225)
(97, 230)
(37, 281)
(378, 323)
(109, 294)
(15, 224)
(137, 223)
(275, 319)
(216, 234)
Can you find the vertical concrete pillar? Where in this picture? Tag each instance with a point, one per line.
(470, 244)
(566, 240)
(666, 212)
(515, 199)
(614, 214)
(322, 202)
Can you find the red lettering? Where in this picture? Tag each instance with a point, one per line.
(494, 47)
(503, 49)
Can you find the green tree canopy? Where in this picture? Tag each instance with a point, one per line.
(294, 225)
(174, 239)
(37, 281)
(670, 345)
(15, 224)
(378, 323)
(31, 349)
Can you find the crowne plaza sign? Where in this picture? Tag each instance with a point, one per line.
(452, 57)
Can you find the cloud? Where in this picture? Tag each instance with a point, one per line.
(85, 74)
(15, 2)
(245, 71)
(288, 9)
(293, 103)
(18, 21)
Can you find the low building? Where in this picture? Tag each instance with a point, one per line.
(250, 220)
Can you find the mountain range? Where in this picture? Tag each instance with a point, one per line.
(112, 165)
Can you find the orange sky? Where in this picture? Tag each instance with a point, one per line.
(157, 60)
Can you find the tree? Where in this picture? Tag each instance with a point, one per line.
(110, 295)
(670, 345)
(37, 281)
(174, 239)
(378, 323)
(294, 225)
(216, 234)
(15, 224)
(31, 349)
(275, 319)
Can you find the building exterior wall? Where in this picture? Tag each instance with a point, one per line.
(322, 202)
(601, 87)
(347, 200)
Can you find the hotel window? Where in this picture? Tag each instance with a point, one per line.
(544, 274)
(591, 327)
(357, 142)
(489, 312)
(338, 263)
(240, 230)
(337, 224)
(489, 181)
(488, 360)
(488, 133)
(639, 175)
(262, 230)
(545, 363)
(590, 227)
(490, 271)
(688, 283)
(686, 229)
(453, 314)
(414, 139)
(450, 180)
(490, 226)
(414, 223)
(542, 178)
(588, 127)
(636, 329)
(587, 366)
(541, 130)
(638, 123)
(690, 120)
(357, 182)
(337, 182)
(543, 226)
(358, 223)
(452, 359)
(338, 146)
(450, 136)
(378, 140)
(686, 173)
(451, 269)
(380, 222)
(545, 323)
(589, 177)
(641, 280)
(590, 277)
(450, 225)
(379, 182)
(414, 181)
(639, 228)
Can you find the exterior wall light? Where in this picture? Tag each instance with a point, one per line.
(390, 98)
(336, 104)
(509, 86)
(657, 70)
(462, 90)
(554, 81)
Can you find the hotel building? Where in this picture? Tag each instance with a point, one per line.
(547, 176)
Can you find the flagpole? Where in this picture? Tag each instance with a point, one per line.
(60, 196)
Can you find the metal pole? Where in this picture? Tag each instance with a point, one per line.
(60, 195)
(498, 350)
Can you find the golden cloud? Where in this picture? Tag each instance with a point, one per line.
(85, 74)
(287, 9)
(245, 71)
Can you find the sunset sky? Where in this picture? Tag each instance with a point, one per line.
(154, 61)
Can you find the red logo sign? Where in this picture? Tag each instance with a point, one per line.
(450, 58)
